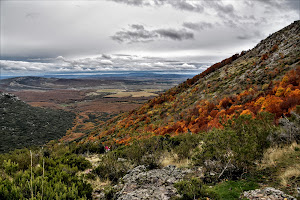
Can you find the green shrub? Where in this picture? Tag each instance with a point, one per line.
(10, 167)
(110, 168)
(59, 181)
(89, 148)
(74, 160)
(109, 192)
(193, 189)
(235, 148)
(231, 190)
(185, 144)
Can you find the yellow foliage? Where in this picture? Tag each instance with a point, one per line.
(287, 92)
(209, 118)
(260, 101)
(247, 112)
(284, 80)
(271, 104)
(280, 91)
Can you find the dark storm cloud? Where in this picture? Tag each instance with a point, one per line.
(197, 26)
(138, 33)
(175, 34)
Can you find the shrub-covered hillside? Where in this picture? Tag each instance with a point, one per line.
(22, 125)
(265, 78)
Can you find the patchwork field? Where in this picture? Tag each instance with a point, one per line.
(131, 94)
(93, 100)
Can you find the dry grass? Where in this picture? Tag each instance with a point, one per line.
(94, 159)
(286, 162)
(168, 158)
(292, 172)
(98, 184)
(273, 155)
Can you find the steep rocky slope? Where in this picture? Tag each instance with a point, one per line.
(265, 78)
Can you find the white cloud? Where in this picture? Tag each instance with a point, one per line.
(188, 66)
(106, 62)
(117, 62)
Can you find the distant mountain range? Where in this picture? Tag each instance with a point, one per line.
(90, 81)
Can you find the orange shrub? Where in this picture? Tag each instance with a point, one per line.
(272, 105)
(247, 112)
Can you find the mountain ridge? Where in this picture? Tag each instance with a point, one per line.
(245, 83)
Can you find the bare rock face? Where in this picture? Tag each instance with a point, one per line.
(268, 193)
(153, 184)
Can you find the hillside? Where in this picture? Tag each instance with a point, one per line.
(23, 125)
(265, 78)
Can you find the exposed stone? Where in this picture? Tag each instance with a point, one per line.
(122, 160)
(268, 193)
(153, 184)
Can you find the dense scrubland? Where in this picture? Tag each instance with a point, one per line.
(22, 125)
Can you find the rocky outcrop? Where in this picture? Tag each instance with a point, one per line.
(139, 183)
(268, 193)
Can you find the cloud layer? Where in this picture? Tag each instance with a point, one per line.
(185, 5)
(133, 34)
(101, 63)
(138, 33)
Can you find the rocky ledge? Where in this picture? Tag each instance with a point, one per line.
(139, 183)
(268, 193)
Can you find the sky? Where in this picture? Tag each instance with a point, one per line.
(62, 36)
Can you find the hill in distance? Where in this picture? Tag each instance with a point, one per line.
(22, 125)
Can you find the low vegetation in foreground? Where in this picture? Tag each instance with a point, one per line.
(266, 154)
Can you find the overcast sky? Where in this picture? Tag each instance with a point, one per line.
(63, 36)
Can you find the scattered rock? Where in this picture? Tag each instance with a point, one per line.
(268, 193)
(122, 160)
(153, 184)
